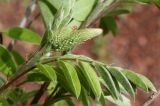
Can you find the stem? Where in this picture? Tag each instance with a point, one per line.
(152, 98)
(29, 10)
(1, 38)
(47, 101)
(40, 93)
(26, 67)
(14, 79)
(98, 11)
(50, 60)
(32, 20)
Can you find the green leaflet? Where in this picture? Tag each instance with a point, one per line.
(7, 59)
(84, 97)
(116, 72)
(62, 80)
(23, 34)
(108, 81)
(140, 81)
(82, 9)
(109, 24)
(91, 77)
(148, 83)
(6, 70)
(32, 77)
(18, 58)
(71, 77)
(98, 9)
(83, 81)
(64, 15)
(48, 71)
(47, 11)
(124, 102)
(135, 78)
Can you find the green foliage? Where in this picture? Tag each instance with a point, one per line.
(69, 75)
(48, 71)
(2, 81)
(82, 8)
(47, 10)
(23, 34)
(108, 24)
(6, 60)
(18, 58)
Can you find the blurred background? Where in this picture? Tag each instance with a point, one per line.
(136, 46)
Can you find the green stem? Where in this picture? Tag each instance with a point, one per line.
(50, 60)
(26, 67)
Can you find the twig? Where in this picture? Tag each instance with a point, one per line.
(31, 7)
(32, 20)
(40, 93)
(1, 38)
(51, 95)
(152, 98)
(100, 9)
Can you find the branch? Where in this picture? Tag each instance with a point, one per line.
(103, 7)
(31, 7)
(1, 38)
(33, 19)
(40, 93)
(22, 70)
(152, 98)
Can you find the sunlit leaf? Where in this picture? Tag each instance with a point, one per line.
(37, 77)
(91, 77)
(48, 71)
(23, 34)
(84, 97)
(116, 72)
(148, 83)
(18, 58)
(48, 10)
(108, 80)
(135, 78)
(108, 24)
(71, 77)
(82, 9)
(124, 102)
(6, 58)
